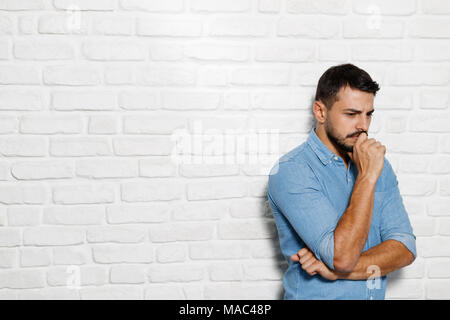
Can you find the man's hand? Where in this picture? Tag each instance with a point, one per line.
(312, 265)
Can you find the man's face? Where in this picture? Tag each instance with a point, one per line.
(349, 116)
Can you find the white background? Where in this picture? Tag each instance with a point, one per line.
(93, 92)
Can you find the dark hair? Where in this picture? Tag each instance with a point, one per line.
(340, 76)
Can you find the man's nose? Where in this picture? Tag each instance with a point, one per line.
(363, 123)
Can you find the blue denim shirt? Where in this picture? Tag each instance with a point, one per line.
(309, 189)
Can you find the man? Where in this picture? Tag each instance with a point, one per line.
(340, 217)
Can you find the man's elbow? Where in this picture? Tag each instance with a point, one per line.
(345, 265)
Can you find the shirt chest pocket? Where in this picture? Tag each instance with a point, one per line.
(374, 237)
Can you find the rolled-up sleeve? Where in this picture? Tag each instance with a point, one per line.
(296, 192)
(395, 224)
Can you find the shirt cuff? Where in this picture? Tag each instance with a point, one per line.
(407, 239)
(325, 250)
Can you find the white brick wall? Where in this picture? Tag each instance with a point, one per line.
(95, 202)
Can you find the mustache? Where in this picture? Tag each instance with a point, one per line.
(357, 134)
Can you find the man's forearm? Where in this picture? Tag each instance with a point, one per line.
(353, 227)
(388, 256)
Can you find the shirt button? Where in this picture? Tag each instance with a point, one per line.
(371, 297)
(335, 158)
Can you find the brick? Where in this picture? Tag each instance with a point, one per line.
(22, 194)
(15, 74)
(434, 99)
(43, 50)
(175, 273)
(171, 253)
(52, 236)
(103, 124)
(220, 6)
(113, 26)
(199, 211)
(133, 274)
(439, 207)
(333, 52)
(284, 53)
(152, 213)
(24, 216)
(166, 76)
(424, 226)
(410, 143)
(116, 234)
(435, 7)
(419, 75)
(433, 246)
(260, 76)
(433, 51)
(150, 191)
(23, 146)
(94, 275)
(83, 100)
(35, 257)
(52, 293)
(194, 231)
(225, 272)
(385, 7)
(18, 99)
(119, 75)
(308, 27)
(239, 27)
(50, 124)
(123, 253)
(70, 22)
(269, 6)
(138, 100)
(8, 258)
(113, 51)
(215, 250)
(83, 193)
(19, 5)
(190, 100)
(216, 190)
(72, 75)
(217, 52)
(373, 28)
(444, 187)
(157, 167)
(163, 292)
(263, 271)
(438, 289)
(118, 292)
(22, 279)
(405, 289)
(107, 168)
(174, 27)
(143, 146)
(5, 49)
(248, 208)
(382, 52)
(336, 7)
(237, 101)
(153, 6)
(74, 215)
(85, 5)
(438, 268)
(36, 170)
(248, 229)
(80, 146)
(71, 255)
(142, 124)
(162, 51)
(436, 28)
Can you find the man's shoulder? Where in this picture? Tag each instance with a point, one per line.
(296, 158)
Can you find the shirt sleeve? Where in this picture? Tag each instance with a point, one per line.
(296, 192)
(395, 224)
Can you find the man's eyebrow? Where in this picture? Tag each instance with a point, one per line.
(357, 111)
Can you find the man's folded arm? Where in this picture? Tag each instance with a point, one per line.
(296, 192)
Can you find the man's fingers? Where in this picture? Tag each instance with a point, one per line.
(312, 268)
(295, 257)
(306, 257)
(308, 262)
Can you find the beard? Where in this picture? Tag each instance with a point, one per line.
(338, 141)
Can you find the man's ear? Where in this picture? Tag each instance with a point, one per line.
(320, 111)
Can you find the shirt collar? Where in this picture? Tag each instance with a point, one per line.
(323, 153)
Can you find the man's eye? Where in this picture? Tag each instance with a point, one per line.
(350, 114)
